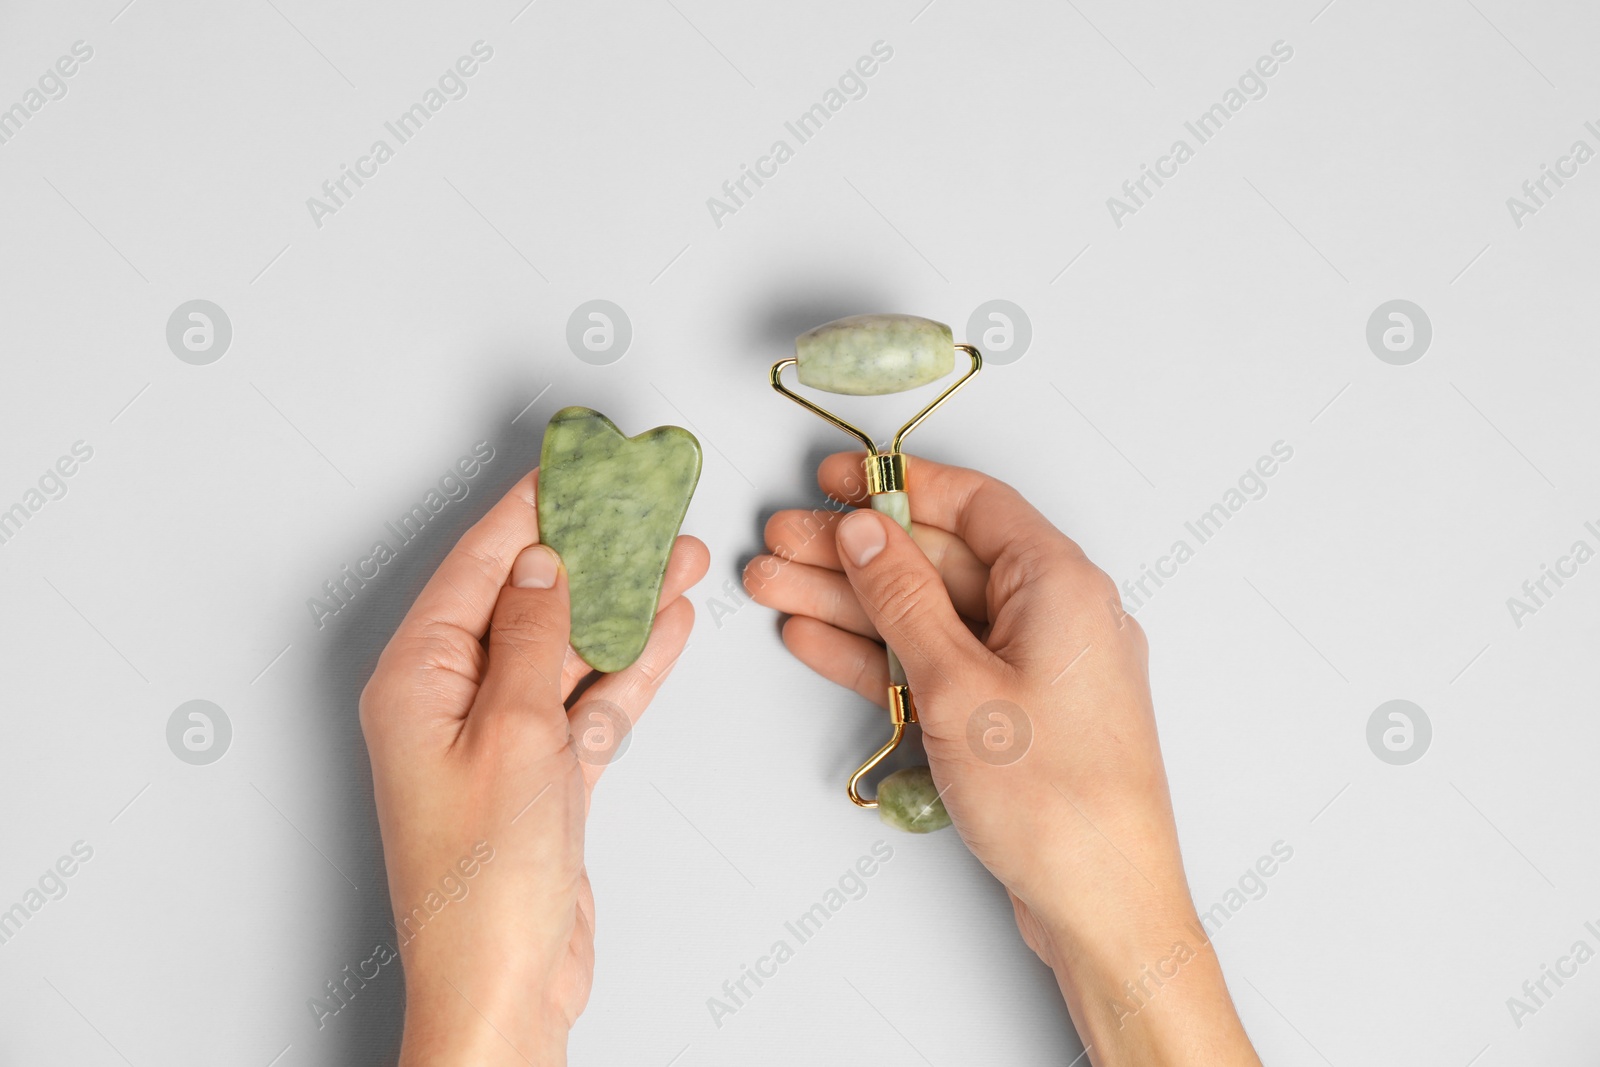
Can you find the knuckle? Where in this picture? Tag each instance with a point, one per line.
(1136, 634)
(899, 594)
(1048, 561)
(1097, 594)
(524, 624)
(1097, 585)
(1003, 488)
(439, 647)
(491, 569)
(833, 601)
(861, 679)
(1112, 618)
(1034, 556)
(649, 672)
(367, 706)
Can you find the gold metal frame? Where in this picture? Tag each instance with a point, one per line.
(886, 473)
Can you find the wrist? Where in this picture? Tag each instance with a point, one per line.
(1148, 989)
(464, 1020)
(1109, 930)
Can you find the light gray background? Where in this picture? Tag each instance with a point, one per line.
(1167, 354)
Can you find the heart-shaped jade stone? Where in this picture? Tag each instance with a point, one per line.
(611, 507)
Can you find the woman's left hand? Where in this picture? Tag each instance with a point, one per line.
(483, 778)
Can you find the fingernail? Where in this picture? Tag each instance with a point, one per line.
(535, 568)
(861, 538)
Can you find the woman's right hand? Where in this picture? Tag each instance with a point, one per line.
(1032, 690)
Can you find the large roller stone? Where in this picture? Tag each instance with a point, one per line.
(869, 355)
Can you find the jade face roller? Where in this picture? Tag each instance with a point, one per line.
(873, 355)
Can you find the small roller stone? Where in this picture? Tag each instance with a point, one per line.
(611, 506)
(909, 801)
(870, 355)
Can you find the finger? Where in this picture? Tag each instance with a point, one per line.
(824, 595)
(597, 735)
(688, 564)
(808, 537)
(985, 513)
(804, 535)
(906, 600)
(842, 658)
(454, 608)
(800, 589)
(527, 640)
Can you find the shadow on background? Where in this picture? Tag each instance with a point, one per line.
(774, 328)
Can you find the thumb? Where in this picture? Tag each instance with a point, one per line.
(904, 596)
(528, 637)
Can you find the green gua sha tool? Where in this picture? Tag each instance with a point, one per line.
(872, 355)
(611, 506)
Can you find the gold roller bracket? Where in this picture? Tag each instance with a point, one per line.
(869, 355)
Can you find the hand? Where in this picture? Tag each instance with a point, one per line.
(992, 610)
(482, 797)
